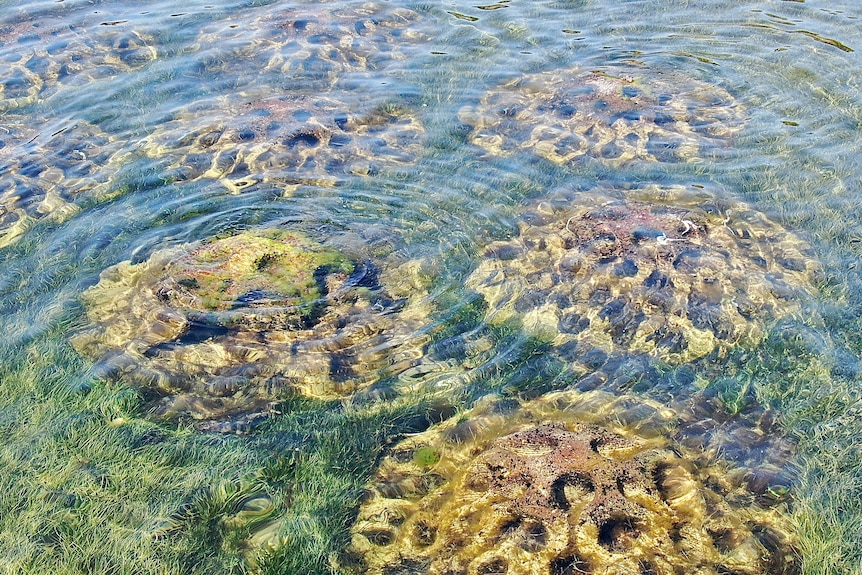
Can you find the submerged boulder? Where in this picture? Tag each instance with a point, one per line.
(556, 486)
(47, 174)
(289, 140)
(220, 331)
(672, 272)
(314, 45)
(617, 115)
(40, 55)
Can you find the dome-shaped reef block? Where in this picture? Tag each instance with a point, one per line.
(673, 272)
(249, 138)
(47, 173)
(315, 44)
(535, 490)
(617, 115)
(221, 330)
(39, 54)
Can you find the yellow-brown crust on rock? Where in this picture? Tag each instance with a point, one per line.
(539, 491)
(220, 331)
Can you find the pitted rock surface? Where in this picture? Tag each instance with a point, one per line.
(313, 46)
(249, 138)
(220, 331)
(532, 490)
(677, 273)
(617, 115)
(47, 173)
(41, 54)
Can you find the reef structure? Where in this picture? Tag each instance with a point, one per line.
(47, 174)
(555, 487)
(290, 140)
(40, 55)
(673, 272)
(617, 115)
(221, 331)
(315, 45)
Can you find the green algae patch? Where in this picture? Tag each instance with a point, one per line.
(558, 486)
(221, 331)
(232, 272)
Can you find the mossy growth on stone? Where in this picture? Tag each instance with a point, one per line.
(617, 115)
(556, 487)
(674, 272)
(220, 331)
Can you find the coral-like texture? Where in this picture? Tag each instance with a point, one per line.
(221, 330)
(673, 272)
(290, 140)
(38, 55)
(616, 115)
(316, 44)
(44, 174)
(536, 490)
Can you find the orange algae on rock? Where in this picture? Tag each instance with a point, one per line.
(617, 115)
(673, 272)
(220, 331)
(545, 489)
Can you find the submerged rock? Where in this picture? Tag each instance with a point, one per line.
(45, 174)
(220, 331)
(38, 55)
(315, 44)
(559, 486)
(291, 140)
(670, 272)
(618, 115)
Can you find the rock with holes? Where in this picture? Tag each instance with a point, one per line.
(221, 330)
(39, 55)
(47, 173)
(617, 115)
(289, 140)
(672, 272)
(312, 46)
(541, 490)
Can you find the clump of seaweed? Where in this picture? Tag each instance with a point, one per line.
(616, 115)
(220, 331)
(672, 272)
(546, 487)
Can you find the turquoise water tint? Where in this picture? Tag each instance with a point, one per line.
(247, 248)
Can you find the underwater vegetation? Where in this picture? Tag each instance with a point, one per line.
(619, 115)
(542, 488)
(329, 287)
(220, 331)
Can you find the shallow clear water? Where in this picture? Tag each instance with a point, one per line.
(97, 98)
